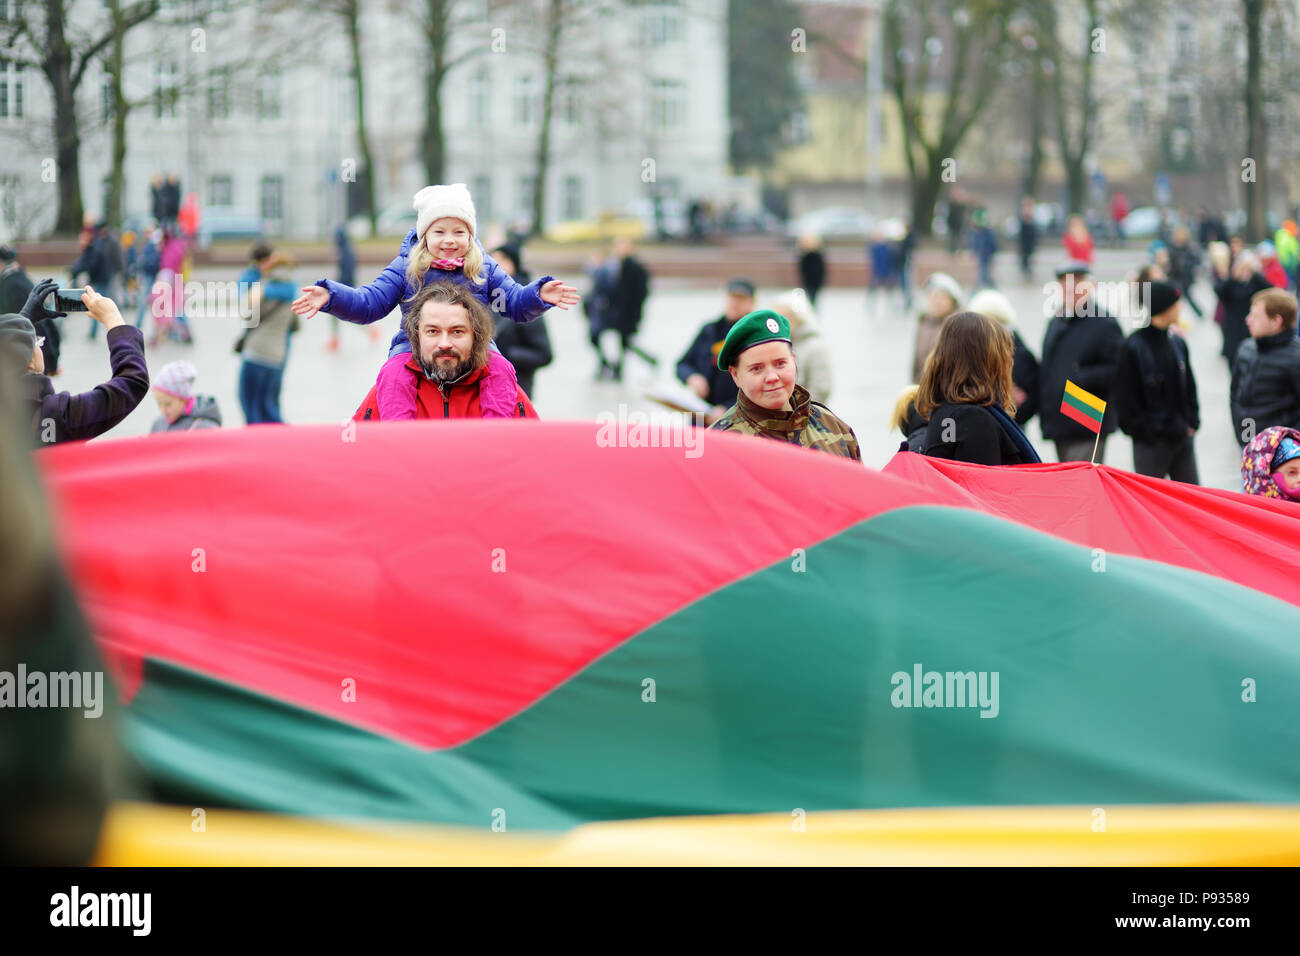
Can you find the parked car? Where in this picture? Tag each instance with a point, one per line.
(607, 226)
(219, 223)
(1144, 222)
(833, 222)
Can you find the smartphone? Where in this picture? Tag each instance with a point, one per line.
(66, 300)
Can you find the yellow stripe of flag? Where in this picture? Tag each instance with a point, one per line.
(1087, 398)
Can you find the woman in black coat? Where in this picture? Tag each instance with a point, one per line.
(966, 393)
(812, 267)
(1235, 292)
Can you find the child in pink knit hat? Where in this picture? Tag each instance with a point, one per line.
(182, 409)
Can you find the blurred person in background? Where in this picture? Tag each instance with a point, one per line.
(943, 298)
(1027, 237)
(1024, 366)
(699, 369)
(1078, 241)
(1236, 285)
(526, 344)
(814, 368)
(812, 266)
(15, 287)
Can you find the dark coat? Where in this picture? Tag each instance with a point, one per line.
(1024, 373)
(812, 272)
(1235, 296)
(1084, 350)
(627, 297)
(1154, 394)
(15, 287)
(527, 345)
(1266, 383)
(702, 357)
(973, 434)
(1028, 236)
(92, 413)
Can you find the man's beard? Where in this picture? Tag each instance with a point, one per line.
(444, 373)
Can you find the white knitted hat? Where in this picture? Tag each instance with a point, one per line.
(434, 202)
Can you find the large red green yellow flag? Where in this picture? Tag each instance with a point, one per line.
(472, 622)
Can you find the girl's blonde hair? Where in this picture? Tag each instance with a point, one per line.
(906, 398)
(420, 259)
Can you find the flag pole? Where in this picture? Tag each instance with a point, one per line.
(1094, 446)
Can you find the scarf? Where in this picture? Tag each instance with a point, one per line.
(448, 265)
(1016, 434)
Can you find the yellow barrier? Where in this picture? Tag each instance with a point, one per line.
(1199, 835)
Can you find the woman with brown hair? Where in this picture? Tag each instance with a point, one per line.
(966, 393)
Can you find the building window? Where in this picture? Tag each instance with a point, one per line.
(273, 198)
(570, 102)
(572, 197)
(800, 128)
(667, 104)
(1137, 118)
(483, 198)
(480, 99)
(527, 185)
(11, 90)
(11, 11)
(219, 95)
(221, 191)
(525, 101)
(1180, 111)
(662, 23)
(167, 92)
(268, 95)
(1185, 42)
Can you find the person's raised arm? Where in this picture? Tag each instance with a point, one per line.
(92, 413)
(362, 306)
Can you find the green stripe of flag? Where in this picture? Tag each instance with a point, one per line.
(1068, 399)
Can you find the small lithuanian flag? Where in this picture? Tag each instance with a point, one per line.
(1084, 407)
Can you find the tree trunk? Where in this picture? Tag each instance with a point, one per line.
(352, 13)
(1255, 194)
(1037, 100)
(117, 174)
(550, 56)
(57, 67)
(926, 184)
(432, 144)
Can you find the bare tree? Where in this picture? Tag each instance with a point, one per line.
(44, 38)
(1255, 192)
(977, 39)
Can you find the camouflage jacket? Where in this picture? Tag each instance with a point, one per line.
(810, 424)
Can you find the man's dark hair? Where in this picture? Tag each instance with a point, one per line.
(261, 251)
(452, 293)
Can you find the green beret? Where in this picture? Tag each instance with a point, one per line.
(754, 329)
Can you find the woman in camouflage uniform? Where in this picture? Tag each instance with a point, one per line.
(758, 355)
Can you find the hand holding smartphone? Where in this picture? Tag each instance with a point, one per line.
(66, 300)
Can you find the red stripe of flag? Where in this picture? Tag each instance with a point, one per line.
(1069, 411)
